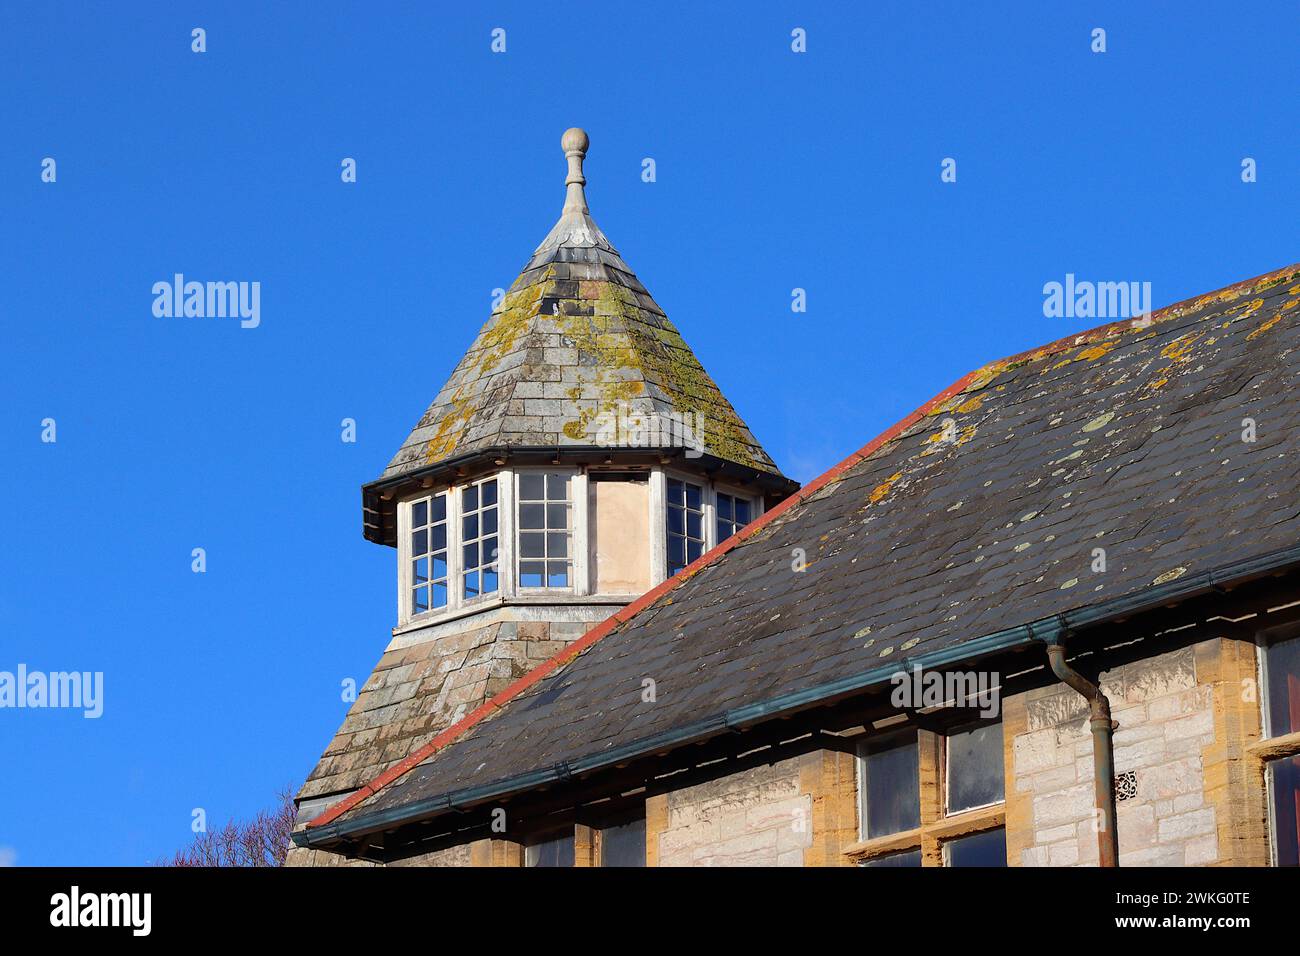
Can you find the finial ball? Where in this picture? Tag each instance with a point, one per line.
(574, 140)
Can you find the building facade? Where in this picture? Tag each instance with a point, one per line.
(1049, 619)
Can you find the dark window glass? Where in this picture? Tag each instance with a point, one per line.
(975, 776)
(479, 544)
(429, 553)
(1284, 785)
(906, 858)
(557, 851)
(733, 514)
(891, 786)
(1282, 669)
(544, 531)
(623, 845)
(685, 524)
(979, 849)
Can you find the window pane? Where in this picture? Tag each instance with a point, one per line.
(694, 497)
(419, 514)
(469, 527)
(695, 525)
(557, 517)
(438, 537)
(531, 487)
(489, 492)
(471, 584)
(891, 787)
(530, 574)
(557, 574)
(440, 594)
(906, 858)
(979, 849)
(676, 494)
(1282, 666)
(489, 552)
(532, 545)
(490, 521)
(489, 582)
(532, 516)
(742, 512)
(469, 556)
(1284, 786)
(975, 777)
(439, 566)
(724, 507)
(420, 571)
(676, 522)
(554, 852)
(623, 845)
(557, 545)
(557, 487)
(420, 542)
(469, 498)
(419, 600)
(438, 508)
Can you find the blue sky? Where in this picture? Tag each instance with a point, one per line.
(775, 170)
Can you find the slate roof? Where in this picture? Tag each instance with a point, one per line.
(976, 515)
(576, 337)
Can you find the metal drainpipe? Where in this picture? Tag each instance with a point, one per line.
(1103, 752)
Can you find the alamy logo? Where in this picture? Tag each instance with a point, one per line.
(209, 300)
(920, 689)
(74, 690)
(74, 908)
(1073, 299)
(626, 427)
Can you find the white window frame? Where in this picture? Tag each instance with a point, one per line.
(579, 505)
(947, 767)
(659, 478)
(455, 581)
(462, 600)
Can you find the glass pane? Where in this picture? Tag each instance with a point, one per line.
(420, 571)
(694, 525)
(469, 527)
(676, 494)
(439, 566)
(557, 545)
(419, 600)
(693, 550)
(906, 858)
(742, 513)
(557, 517)
(440, 595)
(471, 584)
(489, 582)
(694, 497)
(530, 487)
(1284, 786)
(438, 508)
(975, 777)
(557, 487)
(557, 574)
(532, 516)
(676, 522)
(420, 542)
(489, 492)
(724, 530)
(554, 852)
(724, 507)
(623, 845)
(530, 574)
(469, 499)
(490, 521)
(469, 555)
(490, 552)
(438, 537)
(891, 787)
(676, 553)
(532, 545)
(419, 514)
(979, 849)
(1282, 665)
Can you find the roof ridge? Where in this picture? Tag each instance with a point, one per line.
(625, 614)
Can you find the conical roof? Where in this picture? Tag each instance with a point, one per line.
(577, 353)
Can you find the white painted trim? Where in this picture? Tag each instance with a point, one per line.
(579, 513)
(506, 532)
(658, 519)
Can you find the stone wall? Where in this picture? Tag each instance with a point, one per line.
(756, 817)
(1166, 720)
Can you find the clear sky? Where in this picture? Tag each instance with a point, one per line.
(775, 170)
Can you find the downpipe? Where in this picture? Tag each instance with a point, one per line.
(1103, 752)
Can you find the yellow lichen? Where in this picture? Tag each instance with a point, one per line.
(882, 489)
(1264, 327)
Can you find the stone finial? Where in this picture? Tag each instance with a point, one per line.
(574, 142)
